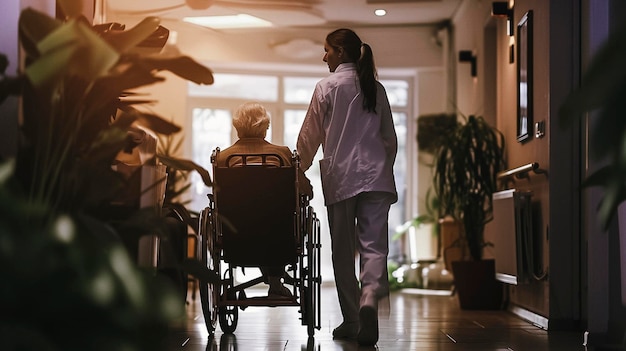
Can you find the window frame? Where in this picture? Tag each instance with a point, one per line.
(277, 108)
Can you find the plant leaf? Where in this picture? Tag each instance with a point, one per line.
(156, 123)
(614, 195)
(200, 271)
(124, 41)
(72, 41)
(605, 73)
(183, 66)
(599, 177)
(71, 8)
(34, 26)
(179, 211)
(609, 126)
(111, 87)
(186, 165)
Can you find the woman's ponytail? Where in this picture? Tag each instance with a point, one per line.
(361, 54)
(366, 70)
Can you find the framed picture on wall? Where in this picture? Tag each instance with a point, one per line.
(524, 77)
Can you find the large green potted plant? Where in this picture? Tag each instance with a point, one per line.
(464, 179)
(68, 282)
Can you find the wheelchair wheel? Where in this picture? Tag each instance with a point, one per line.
(229, 315)
(312, 279)
(209, 310)
(308, 293)
(309, 315)
(242, 297)
(209, 292)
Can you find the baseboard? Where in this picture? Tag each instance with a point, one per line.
(531, 317)
(431, 292)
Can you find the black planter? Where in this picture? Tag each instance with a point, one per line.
(476, 285)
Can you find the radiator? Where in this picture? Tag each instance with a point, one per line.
(512, 230)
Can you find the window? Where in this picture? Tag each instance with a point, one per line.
(298, 90)
(211, 128)
(233, 86)
(397, 92)
(286, 97)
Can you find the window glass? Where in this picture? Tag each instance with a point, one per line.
(293, 122)
(397, 92)
(397, 211)
(298, 90)
(287, 98)
(268, 135)
(211, 128)
(249, 87)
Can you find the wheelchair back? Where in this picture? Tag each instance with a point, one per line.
(256, 206)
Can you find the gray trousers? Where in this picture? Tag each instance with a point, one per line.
(359, 225)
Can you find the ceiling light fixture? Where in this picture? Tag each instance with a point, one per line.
(380, 12)
(224, 22)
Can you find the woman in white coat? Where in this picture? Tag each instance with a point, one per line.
(350, 117)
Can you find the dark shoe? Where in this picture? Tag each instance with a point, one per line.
(368, 328)
(346, 331)
(279, 293)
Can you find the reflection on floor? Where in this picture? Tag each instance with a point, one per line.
(416, 322)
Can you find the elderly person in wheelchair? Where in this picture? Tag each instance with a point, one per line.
(252, 121)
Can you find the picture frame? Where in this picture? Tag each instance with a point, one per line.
(524, 77)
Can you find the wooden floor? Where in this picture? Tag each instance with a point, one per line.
(416, 322)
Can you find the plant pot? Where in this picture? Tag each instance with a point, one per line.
(453, 246)
(476, 285)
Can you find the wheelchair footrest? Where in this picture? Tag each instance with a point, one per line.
(261, 301)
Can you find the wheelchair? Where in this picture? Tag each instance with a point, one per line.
(256, 217)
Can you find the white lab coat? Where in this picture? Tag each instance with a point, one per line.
(359, 146)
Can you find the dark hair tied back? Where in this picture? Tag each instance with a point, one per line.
(361, 54)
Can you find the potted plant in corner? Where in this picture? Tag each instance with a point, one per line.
(464, 179)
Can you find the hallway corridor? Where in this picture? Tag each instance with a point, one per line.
(416, 323)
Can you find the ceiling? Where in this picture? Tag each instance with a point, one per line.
(293, 13)
(406, 34)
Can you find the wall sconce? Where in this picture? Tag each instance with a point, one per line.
(468, 56)
(501, 9)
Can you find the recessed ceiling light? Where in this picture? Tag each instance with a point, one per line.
(380, 12)
(235, 21)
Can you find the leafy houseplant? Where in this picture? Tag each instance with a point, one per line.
(61, 259)
(464, 179)
(466, 166)
(77, 90)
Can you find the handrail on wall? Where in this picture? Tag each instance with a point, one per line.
(521, 171)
